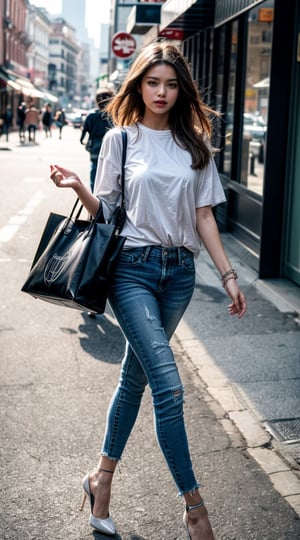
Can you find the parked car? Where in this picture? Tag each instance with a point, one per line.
(76, 119)
(255, 126)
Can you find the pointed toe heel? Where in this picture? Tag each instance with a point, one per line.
(105, 526)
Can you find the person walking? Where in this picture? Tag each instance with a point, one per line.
(96, 125)
(60, 120)
(47, 119)
(171, 185)
(32, 120)
(21, 115)
(7, 121)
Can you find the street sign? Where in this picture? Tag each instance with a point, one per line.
(123, 45)
(172, 33)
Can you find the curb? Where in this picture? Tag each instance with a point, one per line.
(257, 440)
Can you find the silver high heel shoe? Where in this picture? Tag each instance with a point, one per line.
(105, 526)
(185, 521)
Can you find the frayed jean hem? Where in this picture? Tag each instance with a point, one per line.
(105, 454)
(190, 491)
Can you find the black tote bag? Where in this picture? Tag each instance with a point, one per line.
(75, 258)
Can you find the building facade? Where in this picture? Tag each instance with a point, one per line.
(64, 52)
(38, 27)
(74, 13)
(15, 83)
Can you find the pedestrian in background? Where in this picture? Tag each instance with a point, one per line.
(7, 118)
(47, 120)
(21, 115)
(171, 185)
(96, 125)
(32, 121)
(60, 120)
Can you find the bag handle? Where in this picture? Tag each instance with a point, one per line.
(74, 208)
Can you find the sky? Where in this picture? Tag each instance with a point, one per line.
(94, 15)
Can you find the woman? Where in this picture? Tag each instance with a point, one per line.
(7, 121)
(60, 120)
(47, 119)
(21, 116)
(171, 185)
(32, 120)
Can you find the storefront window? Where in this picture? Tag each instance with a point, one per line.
(230, 100)
(220, 72)
(218, 132)
(260, 31)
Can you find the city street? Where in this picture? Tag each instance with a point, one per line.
(59, 368)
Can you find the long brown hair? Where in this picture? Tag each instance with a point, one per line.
(189, 119)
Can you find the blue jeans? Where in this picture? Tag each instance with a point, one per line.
(150, 291)
(94, 163)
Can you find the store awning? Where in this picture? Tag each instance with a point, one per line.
(264, 83)
(8, 81)
(47, 96)
(189, 16)
(27, 88)
(21, 84)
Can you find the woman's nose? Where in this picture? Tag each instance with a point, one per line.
(161, 90)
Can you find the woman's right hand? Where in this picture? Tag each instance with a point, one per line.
(68, 179)
(64, 178)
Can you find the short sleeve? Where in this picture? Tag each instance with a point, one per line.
(209, 189)
(108, 175)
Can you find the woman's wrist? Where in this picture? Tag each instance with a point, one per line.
(79, 187)
(230, 274)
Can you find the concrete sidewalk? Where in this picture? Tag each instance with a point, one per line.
(250, 368)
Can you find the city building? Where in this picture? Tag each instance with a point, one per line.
(119, 15)
(82, 94)
(15, 78)
(38, 28)
(64, 51)
(120, 11)
(104, 50)
(74, 13)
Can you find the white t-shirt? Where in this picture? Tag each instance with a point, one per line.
(162, 191)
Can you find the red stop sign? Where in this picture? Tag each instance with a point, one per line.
(123, 45)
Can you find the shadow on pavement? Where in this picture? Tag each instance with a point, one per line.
(99, 536)
(102, 338)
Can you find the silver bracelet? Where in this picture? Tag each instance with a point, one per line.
(230, 274)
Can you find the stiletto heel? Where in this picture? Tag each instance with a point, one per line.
(106, 525)
(83, 501)
(185, 521)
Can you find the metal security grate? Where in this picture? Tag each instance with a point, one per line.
(286, 430)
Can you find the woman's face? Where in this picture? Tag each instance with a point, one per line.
(159, 89)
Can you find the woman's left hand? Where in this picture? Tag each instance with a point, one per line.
(239, 304)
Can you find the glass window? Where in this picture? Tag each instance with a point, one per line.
(219, 125)
(256, 99)
(230, 100)
(220, 72)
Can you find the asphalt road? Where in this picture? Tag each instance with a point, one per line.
(59, 369)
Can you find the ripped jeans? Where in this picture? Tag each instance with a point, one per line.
(151, 289)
